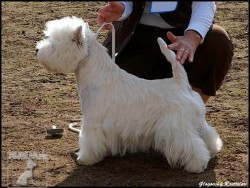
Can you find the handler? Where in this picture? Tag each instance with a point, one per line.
(204, 49)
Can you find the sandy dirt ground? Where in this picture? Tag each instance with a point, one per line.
(33, 100)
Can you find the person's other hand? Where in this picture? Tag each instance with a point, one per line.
(185, 45)
(109, 13)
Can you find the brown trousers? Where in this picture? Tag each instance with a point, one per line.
(143, 58)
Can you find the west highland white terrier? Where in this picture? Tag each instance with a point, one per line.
(124, 113)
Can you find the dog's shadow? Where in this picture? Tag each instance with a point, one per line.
(140, 169)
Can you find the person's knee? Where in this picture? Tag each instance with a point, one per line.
(217, 29)
(219, 39)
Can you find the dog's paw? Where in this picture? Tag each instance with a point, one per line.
(84, 159)
(85, 162)
(217, 147)
(197, 165)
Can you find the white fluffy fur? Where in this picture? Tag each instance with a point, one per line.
(123, 113)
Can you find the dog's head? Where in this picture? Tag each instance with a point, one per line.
(65, 45)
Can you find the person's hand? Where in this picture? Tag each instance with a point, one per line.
(185, 45)
(109, 13)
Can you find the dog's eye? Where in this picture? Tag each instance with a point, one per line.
(77, 42)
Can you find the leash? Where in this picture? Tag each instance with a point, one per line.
(72, 125)
(113, 37)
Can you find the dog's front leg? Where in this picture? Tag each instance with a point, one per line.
(92, 143)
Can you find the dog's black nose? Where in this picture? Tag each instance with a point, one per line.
(37, 51)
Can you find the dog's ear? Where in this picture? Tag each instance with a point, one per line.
(77, 35)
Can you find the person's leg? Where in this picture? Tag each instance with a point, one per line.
(203, 96)
(211, 63)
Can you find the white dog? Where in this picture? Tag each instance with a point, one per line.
(123, 113)
(27, 174)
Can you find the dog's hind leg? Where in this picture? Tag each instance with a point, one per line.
(198, 155)
(182, 147)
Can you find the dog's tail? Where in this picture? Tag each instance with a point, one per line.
(179, 72)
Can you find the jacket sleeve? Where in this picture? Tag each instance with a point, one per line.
(202, 17)
(128, 9)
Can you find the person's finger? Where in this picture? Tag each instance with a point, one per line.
(108, 27)
(114, 4)
(104, 13)
(191, 57)
(171, 36)
(117, 7)
(173, 46)
(179, 54)
(100, 20)
(107, 19)
(184, 56)
(106, 8)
